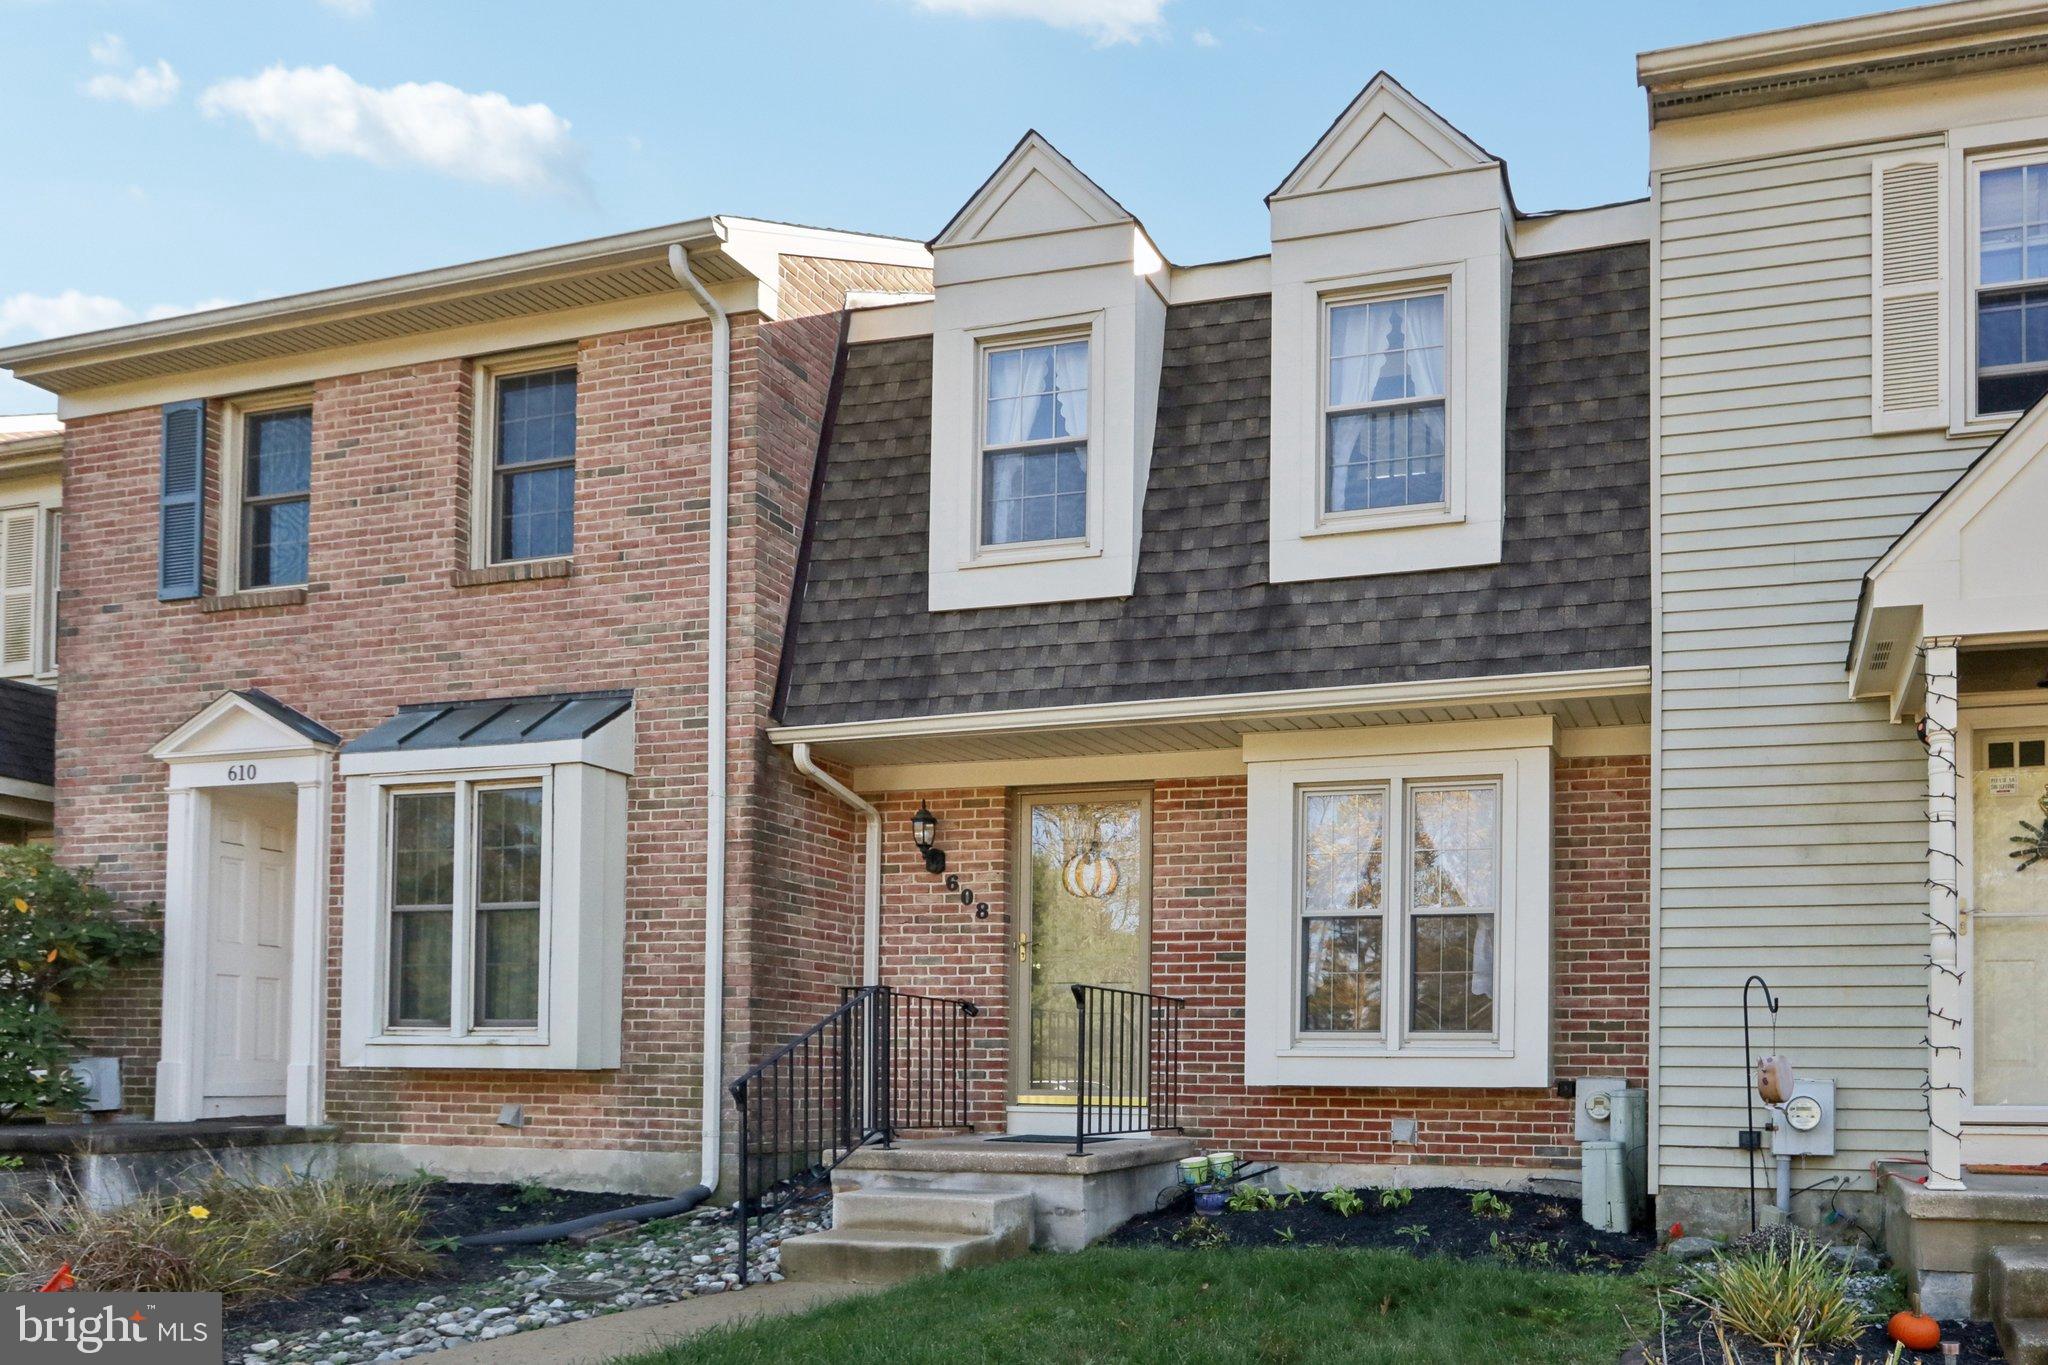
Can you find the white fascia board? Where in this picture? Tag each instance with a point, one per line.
(1531, 687)
(790, 239)
(27, 791)
(1835, 40)
(1551, 234)
(890, 322)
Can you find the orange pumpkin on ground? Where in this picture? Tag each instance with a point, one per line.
(1914, 1331)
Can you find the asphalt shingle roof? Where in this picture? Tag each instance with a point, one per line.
(1571, 591)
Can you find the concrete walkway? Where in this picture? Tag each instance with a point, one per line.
(636, 1330)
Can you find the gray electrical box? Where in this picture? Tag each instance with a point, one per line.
(1804, 1125)
(101, 1077)
(1614, 1164)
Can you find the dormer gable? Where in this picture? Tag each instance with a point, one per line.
(1048, 321)
(1384, 135)
(1034, 192)
(1392, 265)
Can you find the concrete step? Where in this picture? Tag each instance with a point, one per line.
(2024, 1340)
(2018, 1282)
(977, 1213)
(888, 1255)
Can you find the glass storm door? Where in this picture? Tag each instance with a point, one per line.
(1084, 893)
(2008, 918)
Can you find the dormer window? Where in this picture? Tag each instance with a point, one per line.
(1034, 458)
(1383, 411)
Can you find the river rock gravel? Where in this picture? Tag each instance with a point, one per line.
(659, 1263)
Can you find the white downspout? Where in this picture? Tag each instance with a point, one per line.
(871, 931)
(709, 1153)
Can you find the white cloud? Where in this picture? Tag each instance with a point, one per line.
(354, 9)
(1204, 38)
(1106, 21)
(325, 111)
(74, 310)
(144, 86)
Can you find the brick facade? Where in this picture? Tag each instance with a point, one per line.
(1599, 945)
(385, 620)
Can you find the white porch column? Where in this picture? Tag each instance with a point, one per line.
(1945, 995)
(305, 1094)
(184, 960)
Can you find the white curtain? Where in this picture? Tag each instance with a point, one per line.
(1070, 377)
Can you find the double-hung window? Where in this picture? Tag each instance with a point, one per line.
(276, 497)
(465, 866)
(2012, 286)
(1383, 403)
(531, 506)
(1432, 908)
(1034, 443)
(1398, 910)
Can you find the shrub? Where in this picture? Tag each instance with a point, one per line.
(1345, 1203)
(231, 1237)
(1487, 1204)
(1785, 1295)
(1396, 1197)
(59, 935)
(1250, 1198)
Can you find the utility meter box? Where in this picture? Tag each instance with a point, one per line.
(1614, 1160)
(101, 1077)
(1804, 1125)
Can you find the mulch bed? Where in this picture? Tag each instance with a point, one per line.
(1691, 1342)
(1540, 1231)
(450, 1210)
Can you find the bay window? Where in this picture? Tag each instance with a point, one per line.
(1399, 912)
(483, 902)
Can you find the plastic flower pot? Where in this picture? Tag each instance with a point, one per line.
(1210, 1201)
(1194, 1170)
(1222, 1166)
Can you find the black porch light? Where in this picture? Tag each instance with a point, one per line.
(924, 828)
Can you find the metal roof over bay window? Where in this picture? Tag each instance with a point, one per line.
(560, 727)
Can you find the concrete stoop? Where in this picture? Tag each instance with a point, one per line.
(1970, 1253)
(883, 1236)
(2017, 1285)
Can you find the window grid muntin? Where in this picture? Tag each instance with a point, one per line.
(1069, 504)
(465, 948)
(1418, 911)
(1414, 406)
(260, 567)
(1359, 920)
(507, 475)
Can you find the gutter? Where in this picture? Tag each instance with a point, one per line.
(713, 1072)
(871, 891)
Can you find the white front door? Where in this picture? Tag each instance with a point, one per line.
(248, 959)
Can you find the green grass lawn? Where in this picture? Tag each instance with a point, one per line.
(1130, 1304)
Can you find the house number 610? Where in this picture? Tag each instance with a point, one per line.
(241, 772)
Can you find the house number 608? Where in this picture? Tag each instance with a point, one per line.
(241, 772)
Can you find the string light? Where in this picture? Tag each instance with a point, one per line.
(1939, 740)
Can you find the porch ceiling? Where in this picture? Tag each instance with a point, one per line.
(1601, 698)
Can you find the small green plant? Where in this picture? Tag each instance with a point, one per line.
(13, 1161)
(59, 935)
(1250, 1198)
(1293, 1198)
(534, 1192)
(1285, 1235)
(1552, 1211)
(1200, 1232)
(1396, 1197)
(1345, 1203)
(1783, 1295)
(1416, 1233)
(1487, 1204)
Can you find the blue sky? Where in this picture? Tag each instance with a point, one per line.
(166, 154)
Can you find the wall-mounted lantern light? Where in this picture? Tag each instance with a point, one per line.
(924, 828)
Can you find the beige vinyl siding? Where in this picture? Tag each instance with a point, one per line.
(1791, 819)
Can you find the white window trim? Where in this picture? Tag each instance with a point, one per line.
(42, 595)
(463, 936)
(583, 916)
(483, 428)
(234, 437)
(1451, 509)
(1277, 1050)
(1974, 165)
(49, 582)
(976, 555)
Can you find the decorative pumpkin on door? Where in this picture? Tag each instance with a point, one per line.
(1093, 875)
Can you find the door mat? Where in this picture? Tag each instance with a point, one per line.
(2001, 1168)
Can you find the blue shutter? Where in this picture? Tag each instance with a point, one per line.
(179, 505)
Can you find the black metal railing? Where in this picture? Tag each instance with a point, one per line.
(885, 1061)
(1127, 1063)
